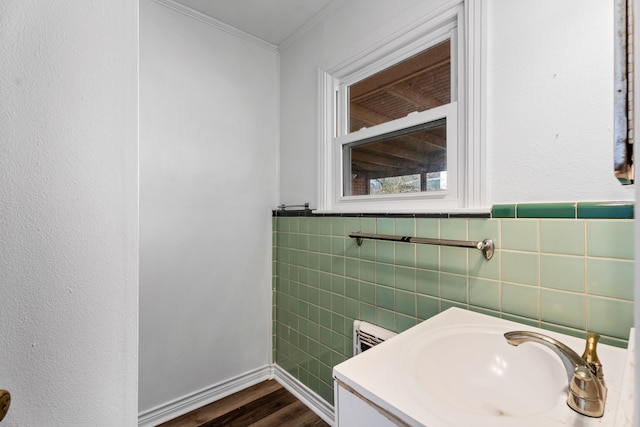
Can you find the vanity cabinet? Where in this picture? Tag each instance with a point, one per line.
(353, 411)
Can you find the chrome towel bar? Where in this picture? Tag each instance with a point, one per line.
(486, 246)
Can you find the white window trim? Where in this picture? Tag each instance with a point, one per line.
(471, 116)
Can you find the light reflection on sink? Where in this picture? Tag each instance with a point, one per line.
(474, 370)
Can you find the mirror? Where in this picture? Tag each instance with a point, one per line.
(623, 98)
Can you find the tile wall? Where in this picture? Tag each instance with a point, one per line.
(566, 267)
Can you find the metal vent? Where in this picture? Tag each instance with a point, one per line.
(366, 335)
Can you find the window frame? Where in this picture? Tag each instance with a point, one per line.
(462, 21)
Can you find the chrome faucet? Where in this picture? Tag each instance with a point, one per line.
(587, 391)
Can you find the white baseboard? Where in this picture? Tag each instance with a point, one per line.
(190, 402)
(304, 394)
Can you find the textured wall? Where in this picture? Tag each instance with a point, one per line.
(68, 212)
(208, 168)
(549, 95)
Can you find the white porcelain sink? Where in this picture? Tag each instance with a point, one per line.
(457, 369)
(476, 371)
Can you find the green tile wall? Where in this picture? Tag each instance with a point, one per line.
(568, 275)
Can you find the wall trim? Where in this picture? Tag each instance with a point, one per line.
(192, 401)
(192, 13)
(314, 402)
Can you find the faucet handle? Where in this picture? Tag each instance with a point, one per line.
(591, 356)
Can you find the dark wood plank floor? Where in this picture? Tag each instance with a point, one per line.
(262, 405)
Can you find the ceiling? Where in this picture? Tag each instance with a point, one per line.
(270, 20)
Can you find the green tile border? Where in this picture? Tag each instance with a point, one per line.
(503, 211)
(546, 210)
(609, 210)
(578, 210)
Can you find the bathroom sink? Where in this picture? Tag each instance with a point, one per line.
(457, 369)
(474, 370)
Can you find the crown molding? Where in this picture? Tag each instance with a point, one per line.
(312, 22)
(206, 19)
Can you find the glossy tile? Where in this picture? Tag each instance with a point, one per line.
(562, 237)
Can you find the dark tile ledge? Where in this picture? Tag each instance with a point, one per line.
(567, 210)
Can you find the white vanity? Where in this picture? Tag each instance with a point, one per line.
(457, 369)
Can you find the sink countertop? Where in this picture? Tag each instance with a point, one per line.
(383, 376)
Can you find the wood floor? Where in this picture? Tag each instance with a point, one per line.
(262, 405)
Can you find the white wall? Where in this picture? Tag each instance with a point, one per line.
(549, 95)
(68, 212)
(208, 171)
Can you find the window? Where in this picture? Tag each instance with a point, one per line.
(395, 132)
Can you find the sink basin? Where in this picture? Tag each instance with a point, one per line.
(457, 369)
(474, 370)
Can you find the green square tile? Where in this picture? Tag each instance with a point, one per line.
(352, 288)
(351, 248)
(405, 227)
(610, 277)
(562, 236)
(368, 250)
(324, 226)
(367, 312)
(303, 225)
(519, 234)
(563, 308)
(385, 251)
(453, 287)
(405, 322)
(603, 210)
(368, 225)
(352, 268)
(562, 272)
(324, 244)
(406, 303)
(428, 227)
(479, 266)
(325, 320)
(368, 292)
(385, 226)
(385, 274)
(503, 211)
(405, 278)
(428, 257)
(546, 210)
(385, 319)
(352, 308)
(337, 265)
(520, 300)
(351, 224)
(405, 254)
(520, 267)
(602, 321)
(445, 305)
(314, 243)
(325, 299)
(453, 260)
(337, 284)
(314, 225)
(338, 227)
(610, 238)
(427, 306)
(385, 297)
(484, 293)
(337, 245)
(325, 281)
(368, 271)
(455, 228)
(481, 229)
(428, 282)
